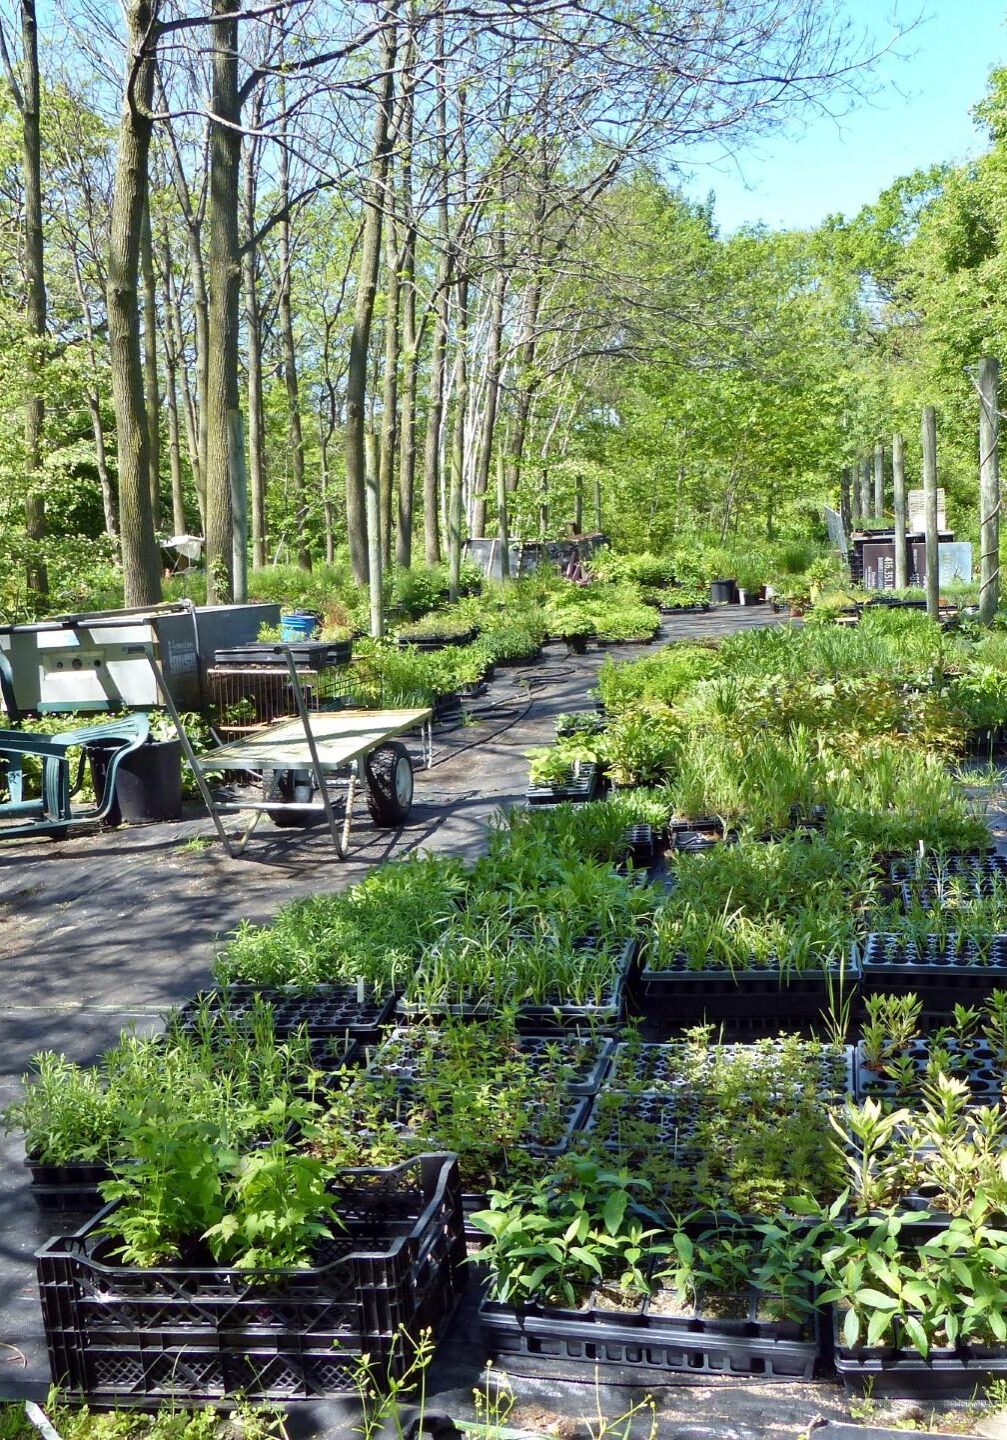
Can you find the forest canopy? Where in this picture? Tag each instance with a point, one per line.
(256, 256)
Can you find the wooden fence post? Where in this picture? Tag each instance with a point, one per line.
(899, 485)
(879, 480)
(989, 490)
(929, 430)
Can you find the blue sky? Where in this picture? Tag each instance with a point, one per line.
(919, 115)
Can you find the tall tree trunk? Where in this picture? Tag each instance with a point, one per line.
(174, 447)
(461, 395)
(253, 331)
(171, 394)
(151, 391)
(140, 559)
(435, 409)
(407, 315)
(389, 393)
(289, 350)
(109, 499)
(189, 405)
(484, 455)
(407, 419)
(224, 295)
(27, 99)
(363, 311)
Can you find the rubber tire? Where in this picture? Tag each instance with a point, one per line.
(386, 769)
(291, 819)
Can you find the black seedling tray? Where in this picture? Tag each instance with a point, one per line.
(700, 609)
(640, 843)
(981, 874)
(530, 1016)
(954, 862)
(326, 1010)
(979, 1066)
(590, 1056)
(127, 1335)
(674, 1118)
(584, 722)
(691, 995)
(942, 973)
(70, 1188)
(657, 1068)
(631, 1348)
(574, 789)
(905, 1374)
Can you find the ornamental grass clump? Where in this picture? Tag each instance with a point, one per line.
(789, 905)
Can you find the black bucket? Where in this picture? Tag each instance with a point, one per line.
(148, 786)
(724, 592)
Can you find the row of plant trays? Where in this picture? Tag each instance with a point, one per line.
(629, 1347)
(124, 1335)
(325, 1010)
(588, 1056)
(607, 1010)
(637, 1346)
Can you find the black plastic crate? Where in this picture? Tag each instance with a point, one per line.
(123, 1333)
(942, 973)
(630, 1348)
(324, 1011)
(976, 1063)
(69, 1188)
(532, 1016)
(578, 786)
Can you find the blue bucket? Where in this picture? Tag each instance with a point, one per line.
(301, 625)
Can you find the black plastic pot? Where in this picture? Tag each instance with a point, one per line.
(724, 592)
(148, 786)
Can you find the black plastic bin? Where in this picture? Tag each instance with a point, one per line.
(127, 1336)
(148, 786)
(724, 592)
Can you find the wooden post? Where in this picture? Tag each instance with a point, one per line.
(865, 488)
(372, 496)
(899, 479)
(845, 511)
(989, 490)
(597, 504)
(854, 497)
(930, 507)
(879, 481)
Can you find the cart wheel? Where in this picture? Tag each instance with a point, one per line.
(389, 773)
(290, 786)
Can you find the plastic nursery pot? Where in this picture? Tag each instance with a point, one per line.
(724, 592)
(578, 643)
(148, 786)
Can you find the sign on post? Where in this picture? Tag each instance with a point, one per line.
(917, 516)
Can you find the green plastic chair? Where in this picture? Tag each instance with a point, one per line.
(51, 811)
